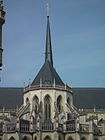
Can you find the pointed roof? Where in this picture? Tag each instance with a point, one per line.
(47, 74)
(48, 53)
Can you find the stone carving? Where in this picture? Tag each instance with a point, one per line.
(59, 116)
(56, 112)
(37, 113)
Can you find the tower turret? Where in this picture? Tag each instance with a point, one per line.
(2, 21)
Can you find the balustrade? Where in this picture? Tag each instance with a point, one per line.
(44, 86)
(47, 126)
(10, 127)
(70, 126)
(24, 128)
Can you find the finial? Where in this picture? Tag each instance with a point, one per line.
(3, 108)
(94, 109)
(48, 9)
(65, 86)
(40, 82)
(54, 82)
(17, 108)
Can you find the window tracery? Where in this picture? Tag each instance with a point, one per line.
(47, 106)
(59, 103)
(35, 103)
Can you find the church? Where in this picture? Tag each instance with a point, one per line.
(47, 110)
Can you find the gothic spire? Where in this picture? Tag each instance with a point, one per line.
(48, 52)
(47, 74)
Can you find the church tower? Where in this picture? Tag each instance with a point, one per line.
(2, 21)
(49, 100)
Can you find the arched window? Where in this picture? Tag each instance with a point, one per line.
(12, 138)
(59, 138)
(47, 106)
(47, 138)
(27, 101)
(59, 103)
(68, 101)
(25, 138)
(70, 138)
(35, 103)
(83, 138)
(35, 138)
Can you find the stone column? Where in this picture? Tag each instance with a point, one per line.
(90, 130)
(31, 126)
(55, 126)
(5, 136)
(55, 136)
(64, 126)
(38, 124)
(18, 125)
(77, 135)
(103, 128)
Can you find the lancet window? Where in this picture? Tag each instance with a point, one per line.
(68, 101)
(59, 103)
(69, 104)
(83, 138)
(35, 103)
(35, 138)
(25, 138)
(12, 138)
(47, 138)
(70, 138)
(47, 106)
(27, 101)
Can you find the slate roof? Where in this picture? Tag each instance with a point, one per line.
(89, 97)
(11, 97)
(47, 75)
(83, 97)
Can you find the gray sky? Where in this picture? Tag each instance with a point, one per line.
(78, 41)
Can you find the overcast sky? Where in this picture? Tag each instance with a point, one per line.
(78, 41)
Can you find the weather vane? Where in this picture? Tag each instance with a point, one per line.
(48, 9)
